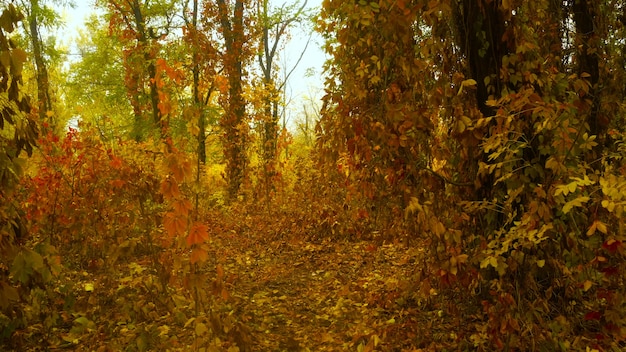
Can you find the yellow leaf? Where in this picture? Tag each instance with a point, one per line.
(201, 329)
(578, 202)
(501, 269)
(468, 82)
(491, 102)
(587, 285)
(602, 227)
(189, 321)
(541, 263)
(608, 205)
(18, 57)
(89, 287)
(5, 58)
(163, 330)
(592, 228)
(439, 229)
(571, 187)
(460, 126)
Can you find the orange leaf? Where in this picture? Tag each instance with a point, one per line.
(169, 189)
(198, 234)
(220, 271)
(180, 169)
(117, 183)
(198, 255)
(115, 162)
(174, 225)
(225, 294)
(182, 207)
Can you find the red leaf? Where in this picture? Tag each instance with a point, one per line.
(605, 294)
(593, 316)
(610, 271)
(612, 245)
(115, 162)
(117, 183)
(371, 248)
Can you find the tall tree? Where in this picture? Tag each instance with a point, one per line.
(95, 82)
(588, 41)
(275, 26)
(18, 134)
(231, 17)
(35, 13)
(376, 120)
(203, 61)
(130, 20)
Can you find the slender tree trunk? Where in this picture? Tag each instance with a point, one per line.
(43, 85)
(197, 100)
(144, 44)
(279, 27)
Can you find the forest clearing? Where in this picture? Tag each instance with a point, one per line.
(459, 186)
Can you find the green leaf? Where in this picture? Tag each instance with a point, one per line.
(20, 269)
(8, 294)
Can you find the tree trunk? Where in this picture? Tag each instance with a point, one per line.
(43, 86)
(233, 121)
(148, 56)
(481, 27)
(587, 43)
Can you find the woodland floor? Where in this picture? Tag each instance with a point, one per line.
(326, 296)
(280, 292)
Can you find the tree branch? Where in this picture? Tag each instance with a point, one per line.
(446, 180)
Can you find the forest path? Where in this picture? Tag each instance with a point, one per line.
(329, 296)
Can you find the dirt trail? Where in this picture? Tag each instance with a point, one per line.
(299, 296)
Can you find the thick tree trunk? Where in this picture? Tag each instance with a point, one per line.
(587, 43)
(233, 121)
(481, 27)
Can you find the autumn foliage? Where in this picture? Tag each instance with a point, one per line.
(500, 143)
(465, 190)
